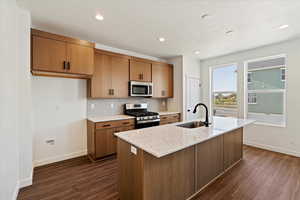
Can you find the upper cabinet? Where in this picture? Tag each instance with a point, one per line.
(140, 70)
(57, 55)
(162, 78)
(111, 76)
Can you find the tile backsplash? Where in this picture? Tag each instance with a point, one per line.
(104, 107)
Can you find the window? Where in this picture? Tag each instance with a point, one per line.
(224, 91)
(249, 77)
(252, 98)
(267, 93)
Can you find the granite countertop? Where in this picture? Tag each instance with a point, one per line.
(160, 141)
(109, 118)
(120, 117)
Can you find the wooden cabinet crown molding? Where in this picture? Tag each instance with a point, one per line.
(61, 38)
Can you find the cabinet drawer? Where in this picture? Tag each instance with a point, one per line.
(170, 117)
(114, 124)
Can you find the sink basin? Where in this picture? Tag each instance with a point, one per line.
(194, 124)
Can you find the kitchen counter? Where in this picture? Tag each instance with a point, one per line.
(163, 140)
(109, 118)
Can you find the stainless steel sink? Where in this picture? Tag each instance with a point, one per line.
(194, 124)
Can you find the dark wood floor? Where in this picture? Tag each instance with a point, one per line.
(262, 175)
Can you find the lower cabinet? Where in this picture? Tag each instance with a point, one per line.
(233, 147)
(169, 119)
(209, 158)
(101, 140)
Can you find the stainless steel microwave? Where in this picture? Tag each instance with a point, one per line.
(140, 89)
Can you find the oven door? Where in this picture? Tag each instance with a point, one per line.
(142, 89)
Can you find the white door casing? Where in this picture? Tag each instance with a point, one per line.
(193, 96)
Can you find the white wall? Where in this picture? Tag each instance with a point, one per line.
(9, 152)
(183, 66)
(176, 103)
(286, 140)
(59, 114)
(25, 127)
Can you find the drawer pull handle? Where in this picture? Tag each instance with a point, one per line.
(126, 122)
(106, 125)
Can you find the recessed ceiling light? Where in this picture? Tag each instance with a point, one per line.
(161, 39)
(229, 32)
(204, 16)
(99, 17)
(197, 52)
(283, 26)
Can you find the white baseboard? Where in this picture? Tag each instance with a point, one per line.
(272, 148)
(16, 191)
(26, 181)
(53, 159)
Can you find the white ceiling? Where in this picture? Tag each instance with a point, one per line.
(136, 24)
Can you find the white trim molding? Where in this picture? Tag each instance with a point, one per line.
(26, 181)
(272, 148)
(54, 159)
(16, 191)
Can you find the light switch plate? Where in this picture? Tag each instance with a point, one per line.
(133, 150)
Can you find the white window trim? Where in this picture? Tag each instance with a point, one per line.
(246, 90)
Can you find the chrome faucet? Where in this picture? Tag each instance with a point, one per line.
(206, 123)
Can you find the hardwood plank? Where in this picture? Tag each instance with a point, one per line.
(260, 175)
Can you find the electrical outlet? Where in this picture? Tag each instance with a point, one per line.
(112, 105)
(133, 150)
(50, 141)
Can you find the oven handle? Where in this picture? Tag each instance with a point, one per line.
(148, 121)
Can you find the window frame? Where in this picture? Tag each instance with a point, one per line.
(284, 91)
(211, 93)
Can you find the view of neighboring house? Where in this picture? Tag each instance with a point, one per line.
(266, 90)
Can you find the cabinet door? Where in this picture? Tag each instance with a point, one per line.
(233, 144)
(209, 158)
(120, 76)
(140, 71)
(106, 142)
(162, 78)
(81, 59)
(101, 81)
(48, 55)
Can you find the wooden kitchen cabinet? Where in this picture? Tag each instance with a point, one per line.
(101, 141)
(233, 147)
(162, 78)
(169, 118)
(209, 158)
(56, 55)
(111, 76)
(140, 70)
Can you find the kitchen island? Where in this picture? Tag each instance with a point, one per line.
(175, 163)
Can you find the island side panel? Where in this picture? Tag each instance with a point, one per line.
(130, 172)
(209, 161)
(171, 177)
(233, 147)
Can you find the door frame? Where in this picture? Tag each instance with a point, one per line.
(187, 77)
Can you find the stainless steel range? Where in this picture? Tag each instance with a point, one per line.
(143, 117)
